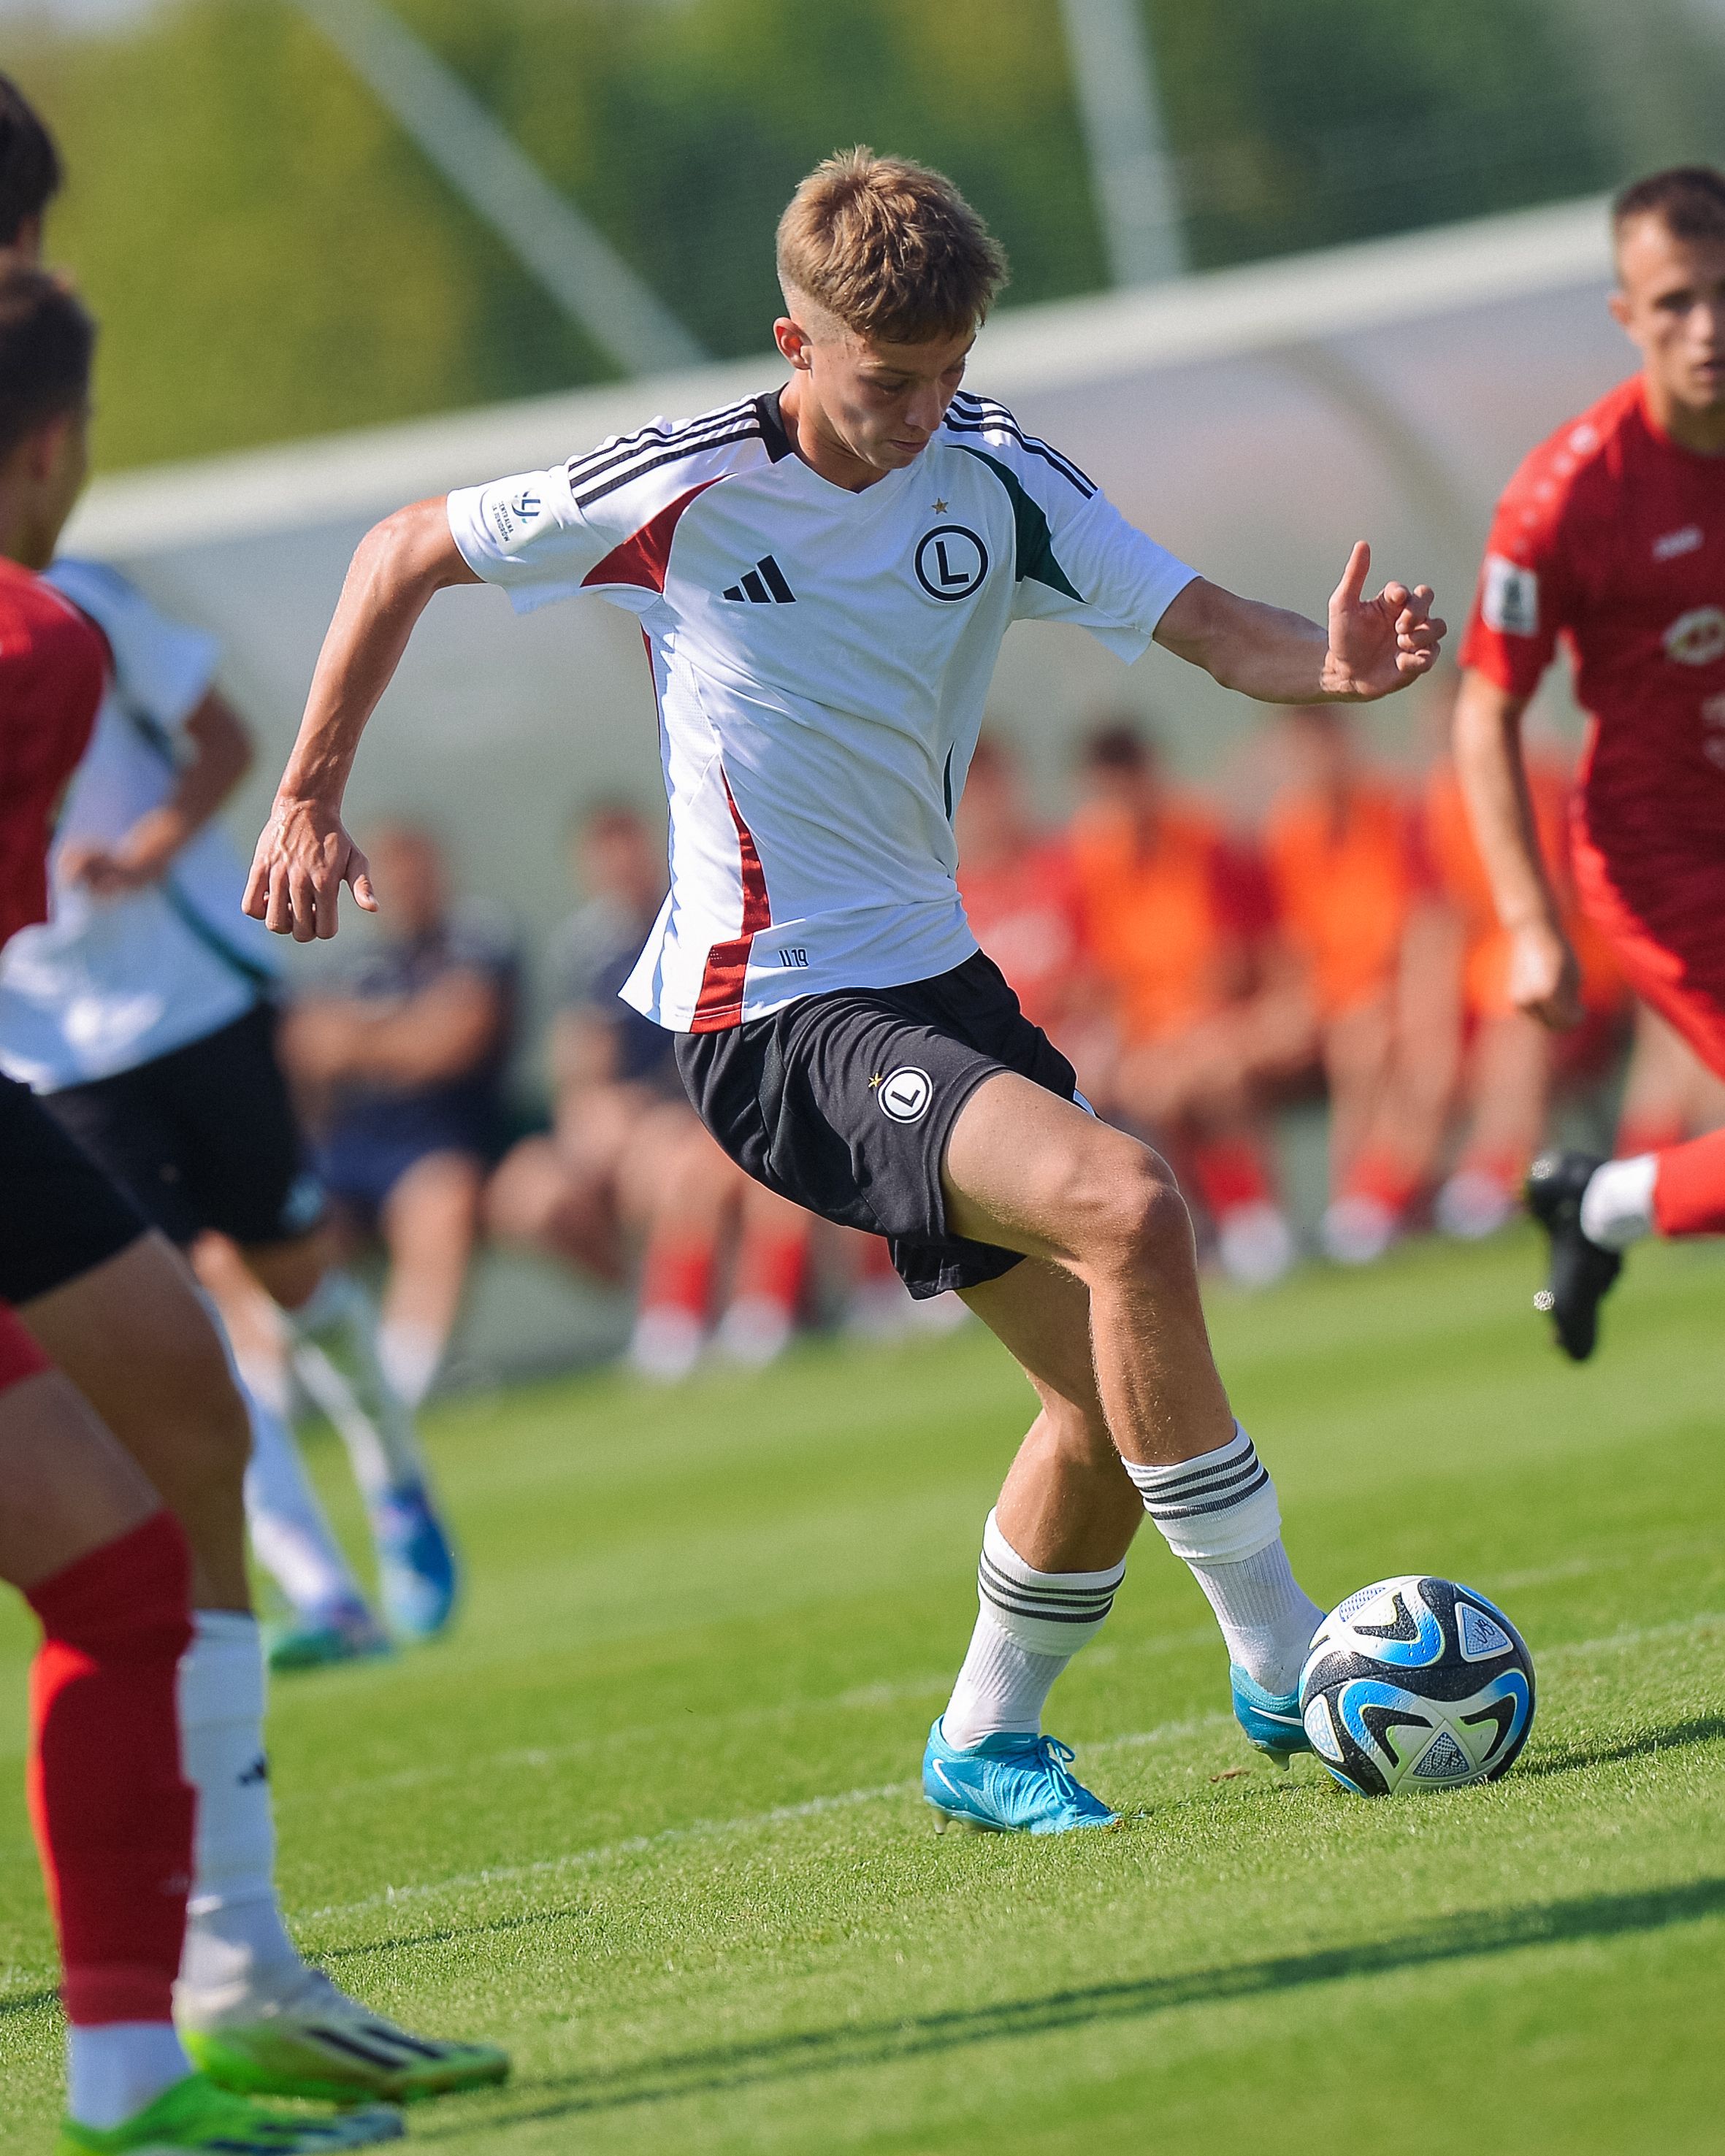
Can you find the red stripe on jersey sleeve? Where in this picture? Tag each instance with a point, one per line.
(720, 1003)
(642, 558)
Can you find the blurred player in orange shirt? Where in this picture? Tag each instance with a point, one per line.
(1508, 1064)
(1021, 895)
(1354, 900)
(1177, 918)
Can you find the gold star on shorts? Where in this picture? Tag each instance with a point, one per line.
(876, 1080)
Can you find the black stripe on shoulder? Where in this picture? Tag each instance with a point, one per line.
(982, 415)
(773, 430)
(645, 439)
(588, 495)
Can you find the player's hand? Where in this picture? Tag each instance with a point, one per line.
(114, 868)
(303, 857)
(1379, 645)
(1545, 977)
(107, 871)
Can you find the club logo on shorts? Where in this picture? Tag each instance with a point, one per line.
(1696, 638)
(904, 1094)
(951, 562)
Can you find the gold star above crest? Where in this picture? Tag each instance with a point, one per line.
(876, 1080)
(940, 509)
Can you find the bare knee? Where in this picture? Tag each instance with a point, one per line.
(185, 1373)
(1128, 1214)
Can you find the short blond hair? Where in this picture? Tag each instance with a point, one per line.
(889, 248)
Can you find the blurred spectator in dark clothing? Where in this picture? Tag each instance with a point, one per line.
(401, 1072)
(627, 1168)
(1178, 918)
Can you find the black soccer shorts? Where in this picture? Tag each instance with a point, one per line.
(59, 1215)
(204, 1136)
(844, 1103)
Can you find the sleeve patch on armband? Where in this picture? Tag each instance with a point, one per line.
(1510, 603)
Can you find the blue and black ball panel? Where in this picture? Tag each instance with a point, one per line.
(1417, 1682)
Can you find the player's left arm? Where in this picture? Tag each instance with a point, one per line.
(1367, 648)
(220, 755)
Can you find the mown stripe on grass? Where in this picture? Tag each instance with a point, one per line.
(696, 1830)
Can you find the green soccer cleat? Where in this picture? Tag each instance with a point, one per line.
(319, 2043)
(194, 2118)
(314, 1639)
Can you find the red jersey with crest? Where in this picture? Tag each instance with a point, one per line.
(53, 665)
(1612, 537)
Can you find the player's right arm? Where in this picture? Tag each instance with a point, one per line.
(1545, 977)
(1524, 597)
(305, 854)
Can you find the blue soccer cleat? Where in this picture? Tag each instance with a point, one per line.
(1007, 1785)
(416, 1565)
(1270, 1719)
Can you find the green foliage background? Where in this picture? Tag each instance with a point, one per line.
(272, 257)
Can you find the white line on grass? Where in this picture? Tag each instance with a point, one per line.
(587, 1860)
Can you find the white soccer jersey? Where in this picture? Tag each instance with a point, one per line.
(821, 658)
(104, 985)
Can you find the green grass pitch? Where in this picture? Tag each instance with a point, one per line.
(650, 1815)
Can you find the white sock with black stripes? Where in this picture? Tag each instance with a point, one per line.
(1030, 1625)
(1219, 1512)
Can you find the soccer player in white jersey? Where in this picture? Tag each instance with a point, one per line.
(823, 574)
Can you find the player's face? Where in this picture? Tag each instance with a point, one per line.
(1672, 305)
(872, 405)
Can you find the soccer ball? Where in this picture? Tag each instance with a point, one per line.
(1417, 1683)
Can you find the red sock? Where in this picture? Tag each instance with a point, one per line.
(111, 1809)
(1375, 1175)
(677, 1275)
(771, 1266)
(1689, 1191)
(1229, 1172)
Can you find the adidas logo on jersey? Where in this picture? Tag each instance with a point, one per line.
(763, 585)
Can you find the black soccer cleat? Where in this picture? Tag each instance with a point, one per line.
(1581, 1270)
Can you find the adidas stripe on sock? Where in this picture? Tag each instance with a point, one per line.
(1029, 1626)
(1219, 1512)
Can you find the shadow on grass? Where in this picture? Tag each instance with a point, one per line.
(881, 2043)
(28, 2002)
(1700, 1729)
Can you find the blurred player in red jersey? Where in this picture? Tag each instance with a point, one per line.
(103, 1561)
(1612, 533)
(1178, 920)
